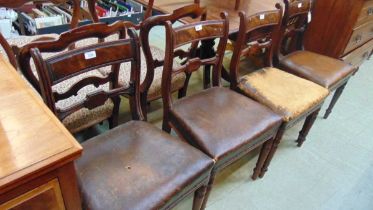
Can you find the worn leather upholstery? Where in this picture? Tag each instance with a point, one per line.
(317, 68)
(286, 94)
(221, 121)
(137, 166)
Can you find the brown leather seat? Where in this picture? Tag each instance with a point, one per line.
(137, 166)
(221, 121)
(317, 68)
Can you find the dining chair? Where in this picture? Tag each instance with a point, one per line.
(220, 122)
(135, 165)
(328, 72)
(66, 77)
(151, 73)
(151, 86)
(291, 97)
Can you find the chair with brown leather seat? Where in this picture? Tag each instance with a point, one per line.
(291, 97)
(328, 72)
(136, 165)
(152, 57)
(151, 86)
(218, 121)
(67, 77)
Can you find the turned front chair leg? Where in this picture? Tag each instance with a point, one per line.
(208, 190)
(237, 5)
(335, 98)
(266, 148)
(307, 127)
(276, 142)
(199, 196)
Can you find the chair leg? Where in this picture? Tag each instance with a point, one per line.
(225, 75)
(165, 126)
(208, 190)
(144, 105)
(199, 195)
(307, 127)
(335, 98)
(262, 157)
(276, 142)
(183, 91)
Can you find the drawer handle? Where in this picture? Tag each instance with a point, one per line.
(358, 39)
(370, 11)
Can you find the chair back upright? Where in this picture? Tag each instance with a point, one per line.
(191, 11)
(195, 34)
(294, 25)
(259, 32)
(68, 64)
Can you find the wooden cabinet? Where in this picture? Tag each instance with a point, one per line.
(342, 29)
(46, 196)
(36, 151)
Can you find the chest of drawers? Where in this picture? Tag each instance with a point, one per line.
(342, 29)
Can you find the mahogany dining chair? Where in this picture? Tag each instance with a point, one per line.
(290, 96)
(220, 122)
(328, 72)
(135, 165)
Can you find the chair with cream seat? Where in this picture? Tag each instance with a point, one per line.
(290, 96)
(220, 122)
(328, 72)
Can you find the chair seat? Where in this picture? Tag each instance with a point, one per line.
(317, 68)
(85, 118)
(288, 95)
(221, 121)
(137, 166)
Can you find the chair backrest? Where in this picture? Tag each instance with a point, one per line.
(68, 64)
(192, 34)
(191, 11)
(294, 25)
(259, 32)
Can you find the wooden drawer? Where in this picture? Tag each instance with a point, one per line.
(359, 36)
(358, 56)
(45, 197)
(366, 13)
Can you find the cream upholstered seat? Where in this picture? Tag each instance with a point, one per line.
(83, 118)
(154, 91)
(286, 94)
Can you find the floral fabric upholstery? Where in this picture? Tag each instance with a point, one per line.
(286, 94)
